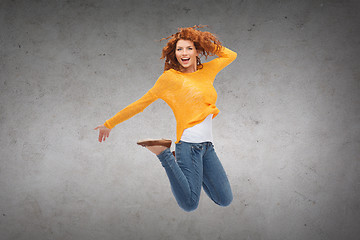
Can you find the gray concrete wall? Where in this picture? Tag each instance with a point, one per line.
(288, 133)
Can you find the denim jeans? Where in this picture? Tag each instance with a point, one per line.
(196, 165)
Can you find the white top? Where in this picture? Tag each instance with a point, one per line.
(199, 133)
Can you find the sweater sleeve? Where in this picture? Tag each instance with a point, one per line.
(138, 106)
(131, 110)
(225, 57)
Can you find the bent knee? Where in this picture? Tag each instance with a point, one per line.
(188, 207)
(226, 201)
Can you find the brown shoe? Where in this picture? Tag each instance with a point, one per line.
(155, 142)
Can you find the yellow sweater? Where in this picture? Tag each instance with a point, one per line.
(191, 96)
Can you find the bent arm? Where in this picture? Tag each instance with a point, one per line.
(131, 110)
(225, 57)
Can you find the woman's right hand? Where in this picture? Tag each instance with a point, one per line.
(103, 132)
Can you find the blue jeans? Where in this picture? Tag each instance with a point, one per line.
(196, 165)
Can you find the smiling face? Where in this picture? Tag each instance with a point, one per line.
(186, 54)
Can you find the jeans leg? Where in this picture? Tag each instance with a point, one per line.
(215, 182)
(185, 174)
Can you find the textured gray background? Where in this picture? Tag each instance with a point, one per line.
(288, 133)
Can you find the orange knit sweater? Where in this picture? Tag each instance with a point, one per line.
(191, 96)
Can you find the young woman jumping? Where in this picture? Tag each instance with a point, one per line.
(186, 85)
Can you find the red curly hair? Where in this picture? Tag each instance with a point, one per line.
(205, 43)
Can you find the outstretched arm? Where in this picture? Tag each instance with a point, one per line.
(126, 113)
(133, 109)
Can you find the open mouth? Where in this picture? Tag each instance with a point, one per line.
(185, 60)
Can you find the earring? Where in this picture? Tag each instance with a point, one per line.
(198, 60)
